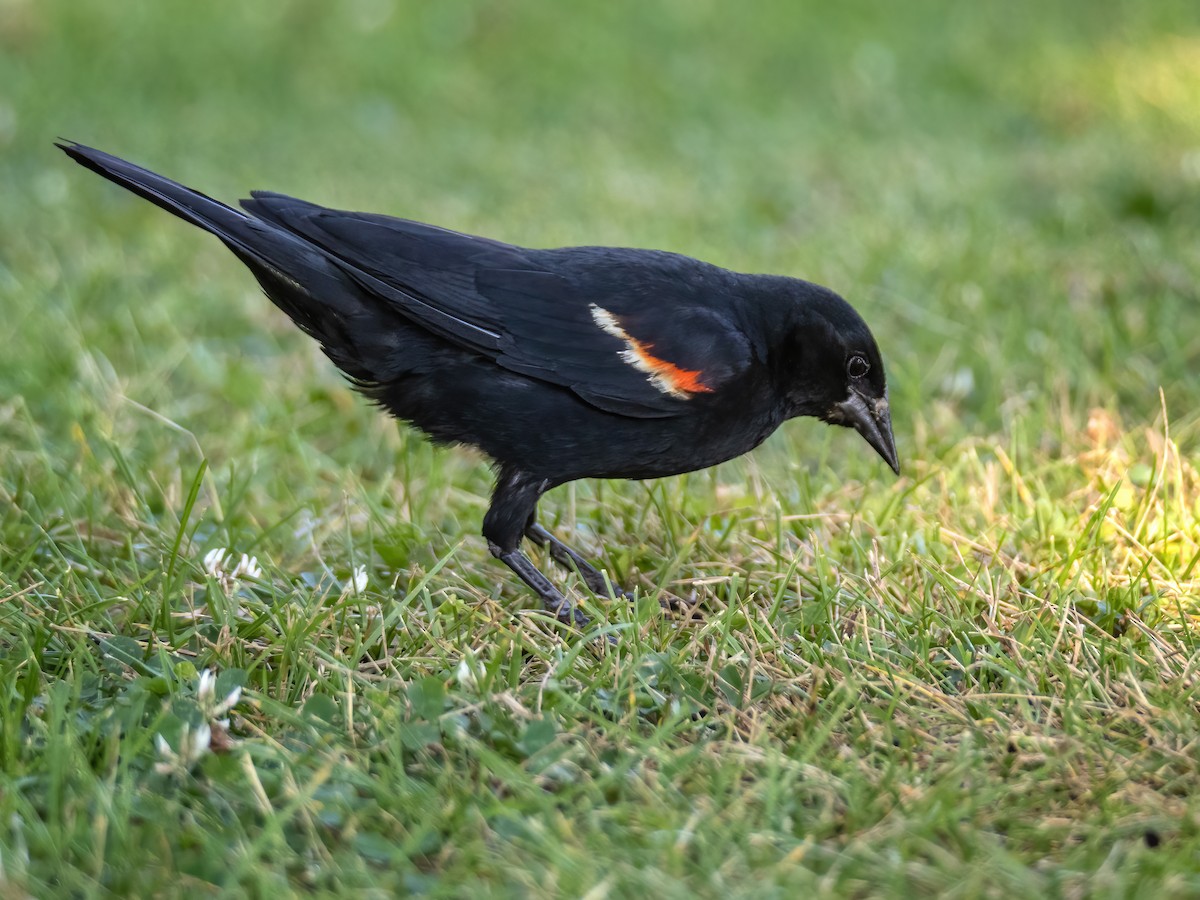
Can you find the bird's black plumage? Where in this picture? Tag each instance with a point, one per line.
(558, 364)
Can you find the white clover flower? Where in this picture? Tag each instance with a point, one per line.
(230, 701)
(206, 688)
(248, 568)
(468, 672)
(214, 562)
(206, 699)
(217, 566)
(358, 580)
(193, 744)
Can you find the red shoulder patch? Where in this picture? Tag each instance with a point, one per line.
(665, 376)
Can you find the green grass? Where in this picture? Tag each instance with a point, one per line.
(977, 680)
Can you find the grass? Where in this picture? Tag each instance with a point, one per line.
(976, 680)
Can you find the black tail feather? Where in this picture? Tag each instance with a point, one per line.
(189, 205)
(295, 274)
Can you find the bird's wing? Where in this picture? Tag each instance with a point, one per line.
(620, 348)
(381, 253)
(623, 331)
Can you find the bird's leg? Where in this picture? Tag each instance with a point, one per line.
(513, 504)
(570, 558)
(567, 557)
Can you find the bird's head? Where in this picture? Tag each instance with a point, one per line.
(836, 373)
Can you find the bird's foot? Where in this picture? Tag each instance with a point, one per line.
(552, 599)
(568, 558)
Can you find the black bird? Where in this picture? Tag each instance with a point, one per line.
(579, 362)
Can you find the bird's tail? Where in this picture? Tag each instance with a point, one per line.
(224, 221)
(296, 275)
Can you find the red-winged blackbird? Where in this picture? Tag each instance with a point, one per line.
(558, 364)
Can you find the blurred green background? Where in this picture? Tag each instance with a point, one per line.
(1008, 193)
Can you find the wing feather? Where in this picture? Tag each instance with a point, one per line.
(532, 311)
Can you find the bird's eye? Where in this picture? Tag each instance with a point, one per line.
(857, 367)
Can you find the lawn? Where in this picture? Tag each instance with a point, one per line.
(979, 679)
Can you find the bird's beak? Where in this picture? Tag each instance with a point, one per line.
(873, 420)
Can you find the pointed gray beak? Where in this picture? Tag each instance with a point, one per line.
(873, 420)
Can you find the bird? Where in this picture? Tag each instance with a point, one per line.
(557, 364)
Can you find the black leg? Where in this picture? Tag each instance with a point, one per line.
(513, 505)
(552, 598)
(569, 558)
